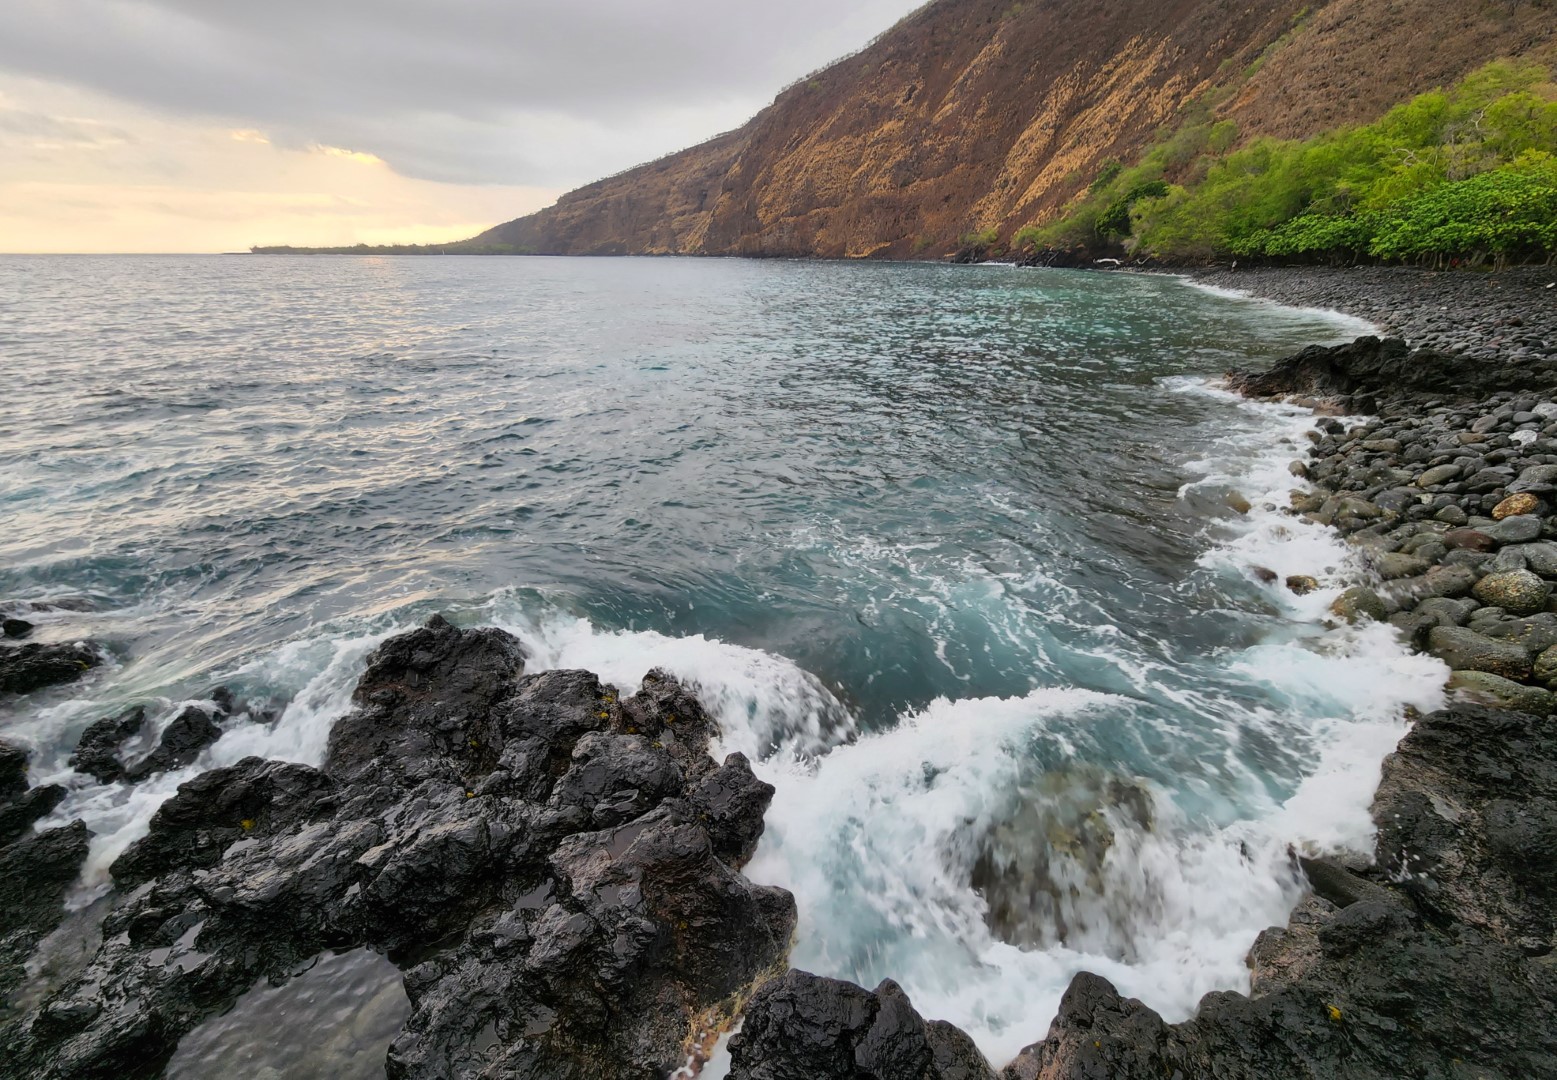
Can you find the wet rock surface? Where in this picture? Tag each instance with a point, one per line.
(104, 749)
(1434, 960)
(37, 869)
(1492, 320)
(803, 1027)
(554, 869)
(1350, 375)
(1358, 376)
(1434, 963)
(34, 666)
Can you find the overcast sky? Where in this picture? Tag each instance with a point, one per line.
(198, 125)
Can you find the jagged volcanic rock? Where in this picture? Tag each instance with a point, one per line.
(804, 1027)
(36, 869)
(1369, 370)
(1467, 817)
(554, 869)
(98, 752)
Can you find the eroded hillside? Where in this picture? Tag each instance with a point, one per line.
(973, 115)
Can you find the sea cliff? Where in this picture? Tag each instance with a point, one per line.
(978, 117)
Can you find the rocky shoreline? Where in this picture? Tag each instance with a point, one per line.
(555, 869)
(1508, 316)
(1434, 958)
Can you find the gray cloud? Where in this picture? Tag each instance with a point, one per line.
(487, 91)
(27, 127)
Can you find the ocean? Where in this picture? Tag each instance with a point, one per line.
(957, 555)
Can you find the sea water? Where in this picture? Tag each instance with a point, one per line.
(952, 553)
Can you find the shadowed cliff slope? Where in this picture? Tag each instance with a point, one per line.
(972, 115)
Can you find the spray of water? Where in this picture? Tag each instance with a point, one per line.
(982, 851)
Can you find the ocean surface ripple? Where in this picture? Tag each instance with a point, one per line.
(947, 549)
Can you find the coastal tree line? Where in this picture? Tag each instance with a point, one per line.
(1462, 175)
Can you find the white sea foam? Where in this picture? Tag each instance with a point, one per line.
(765, 704)
(877, 834)
(314, 675)
(877, 838)
(1346, 326)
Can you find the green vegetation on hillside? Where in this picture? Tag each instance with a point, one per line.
(1467, 174)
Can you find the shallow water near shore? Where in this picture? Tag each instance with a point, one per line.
(946, 549)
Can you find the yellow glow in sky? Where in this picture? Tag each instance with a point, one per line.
(80, 173)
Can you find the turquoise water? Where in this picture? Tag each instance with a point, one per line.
(936, 542)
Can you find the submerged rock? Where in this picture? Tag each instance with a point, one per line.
(1431, 966)
(1040, 872)
(338, 1016)
(1302, 584)
(554, 869)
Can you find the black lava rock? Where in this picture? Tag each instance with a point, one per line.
(552, 867)
(804, 1027)
(190, 732)
(97, 751)
(36, 868)
(25, 668)
(1369, 370)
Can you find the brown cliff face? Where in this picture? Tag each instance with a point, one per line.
(979, 114)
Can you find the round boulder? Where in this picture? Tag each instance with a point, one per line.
(1438, 474)
(1518, 592)
(1393, 565)
(1519, 529)
(1466, 650)
(1302, 584)
(1514, 505)
(1469, 540)
(1357, 603)
(1496, 690)
(1546, 667)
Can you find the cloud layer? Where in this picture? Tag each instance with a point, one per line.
(547, 93)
